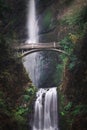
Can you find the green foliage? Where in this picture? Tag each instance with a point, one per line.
(26, 97)
(62, 101)
(5, 17)
(77, 17)
(2, 103)
(31, 90)
(66, 2)
(64, 110)
(62, 113)
(68, 47)
(70, 110)
(20, 119)
(75, 23)
(18, 115)
(1, 94)
(47, 19)
(73, 60)
(4, 7)
(15, 100)
(29, 93)
(67, 44)
(79, 109)
(68, 106)
(6, 53)
(20, 111)
(58, 75)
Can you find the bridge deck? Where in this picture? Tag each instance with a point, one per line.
(37, 46)
(25, 49)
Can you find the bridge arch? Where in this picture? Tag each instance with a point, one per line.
(46, 49)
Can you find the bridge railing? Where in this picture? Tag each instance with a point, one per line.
(37, 46)
(25, 49)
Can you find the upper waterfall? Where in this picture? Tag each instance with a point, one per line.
(40, 66)
(32, 24)
(30, 61)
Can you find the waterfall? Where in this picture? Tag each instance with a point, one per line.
(45, 117)
(39, 65)
(30, 61)
(32, 24)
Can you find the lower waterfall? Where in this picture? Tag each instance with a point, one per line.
(46, 113)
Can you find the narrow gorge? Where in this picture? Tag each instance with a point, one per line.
(45, 90)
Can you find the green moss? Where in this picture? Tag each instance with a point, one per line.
(47, 20)
(79, 110)
(77, 17)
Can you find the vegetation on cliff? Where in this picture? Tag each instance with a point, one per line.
(65, 21)
(16, 90)
(73, 25)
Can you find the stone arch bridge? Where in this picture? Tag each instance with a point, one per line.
(26, 49)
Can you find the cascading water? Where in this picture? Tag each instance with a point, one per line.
(37, 64)
(32, 31)
(45, 117)
(32, 24)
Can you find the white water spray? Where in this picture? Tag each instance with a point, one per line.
(46, 117)
(32, 30)
(32, 24)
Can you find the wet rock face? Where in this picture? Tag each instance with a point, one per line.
(75, 81)
(43, 4)
(47, 20)
(13, 18)
(80, 123)
(16, 18)
(46, 16)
